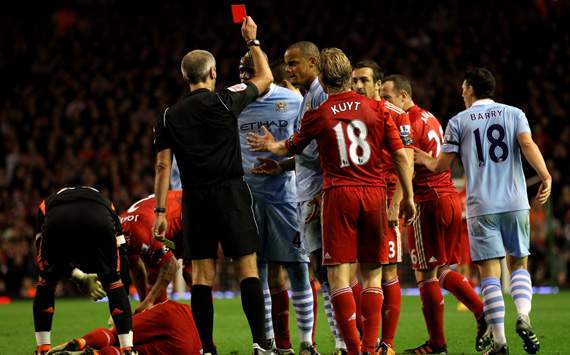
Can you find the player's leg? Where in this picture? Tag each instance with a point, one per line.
(487, 250)
(516, 235)
(391, 305)
(302, 296)
(341, 212)
(263, 269)
(425, 256)
(43, 309)
(391, 289)
(371, 305)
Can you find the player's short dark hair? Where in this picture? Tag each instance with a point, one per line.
(308, 49)
(279, 71)
(482, 81)
(401, 83)
(196, 65)
(377, 73)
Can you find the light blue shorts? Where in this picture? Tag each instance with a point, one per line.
(279, 237)
(494, 235)
(311, 232)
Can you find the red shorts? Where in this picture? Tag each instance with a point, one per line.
(464, 247)
(394, 237)
(354, 221)
(435, 235)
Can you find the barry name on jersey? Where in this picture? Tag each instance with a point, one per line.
(486, 115)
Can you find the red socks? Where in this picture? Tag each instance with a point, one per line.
(371, 308)
(280, 315)
(345, 314)
(432, 307)
(356, 291)
(391, 310)
(100, 338)
(461, 288)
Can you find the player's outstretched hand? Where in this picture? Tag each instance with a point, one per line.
(421, 157)
(248, 29)
(408, 210)
(260, 143)
(159, 227)
(544, 191)
(268, 166)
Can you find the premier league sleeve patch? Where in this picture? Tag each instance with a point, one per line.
(405, 135)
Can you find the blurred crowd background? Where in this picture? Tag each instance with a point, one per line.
(82, 82)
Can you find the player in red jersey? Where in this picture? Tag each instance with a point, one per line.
(351, 131)
(146, 254)
(367, 80)
(435, 235)
(163, 329)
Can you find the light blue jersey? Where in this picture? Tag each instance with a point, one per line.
(175, 181)
(277, 110)
(308, 164)
(485, 135)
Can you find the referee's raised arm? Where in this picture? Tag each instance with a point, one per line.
(263, 77)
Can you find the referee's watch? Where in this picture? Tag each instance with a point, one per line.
(253, 42)
(159, 210)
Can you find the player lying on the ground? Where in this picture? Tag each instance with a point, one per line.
(149, 255)
(166, 328)
(78, 228)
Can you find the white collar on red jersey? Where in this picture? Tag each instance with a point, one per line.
(483, 102)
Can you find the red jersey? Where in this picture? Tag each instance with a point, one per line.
(351, 130)
(137, 224)
(402, 122)
(428, 136)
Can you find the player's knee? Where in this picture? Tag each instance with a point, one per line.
(109, 279)
(389, 272)
(247, 266)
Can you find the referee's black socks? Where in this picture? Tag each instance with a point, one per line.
(203, 313)
(254, 307)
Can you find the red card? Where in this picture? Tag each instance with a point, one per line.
(238, 13)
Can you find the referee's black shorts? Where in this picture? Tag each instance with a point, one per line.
(222, 214)
(79, 234)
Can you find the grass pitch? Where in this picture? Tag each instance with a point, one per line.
(74, 317)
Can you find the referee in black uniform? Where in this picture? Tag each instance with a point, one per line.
(201, 130)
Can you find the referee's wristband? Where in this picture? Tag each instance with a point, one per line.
(159, 210)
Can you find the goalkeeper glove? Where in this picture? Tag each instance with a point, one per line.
(88, 284)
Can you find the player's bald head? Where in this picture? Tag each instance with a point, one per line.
(335, 67)
(196, 65)
(306, 48)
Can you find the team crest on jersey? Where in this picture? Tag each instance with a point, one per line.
(238, 87)
(281, 106)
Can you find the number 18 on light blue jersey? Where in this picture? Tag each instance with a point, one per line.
(485, 136)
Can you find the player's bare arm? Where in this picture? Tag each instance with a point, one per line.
(394, 208)
(165, 276)
(535, 159)
(161, 184)
(404, 170)
(266, 143)
(139, 275)
(263, 77)
(437, 165)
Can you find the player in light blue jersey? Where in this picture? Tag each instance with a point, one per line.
(302, 66)
(274, 200)
(490, 137)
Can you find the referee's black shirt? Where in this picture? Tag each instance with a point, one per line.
(201, 129)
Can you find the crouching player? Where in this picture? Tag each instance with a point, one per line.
(163, 329)
(148, 255)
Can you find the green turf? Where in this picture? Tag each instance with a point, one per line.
(550, 316)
